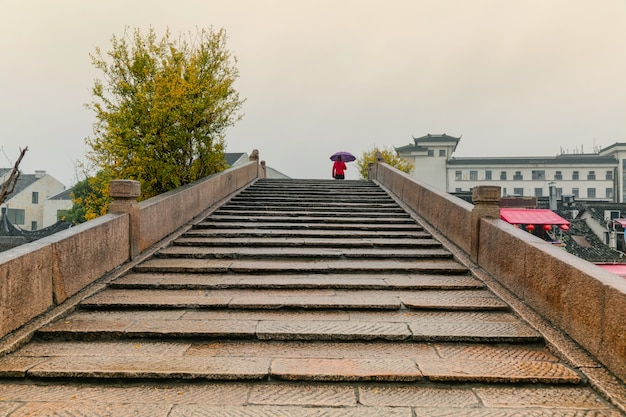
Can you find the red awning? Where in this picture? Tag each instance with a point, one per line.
(531, 216)
(617, 269)
(621, 222)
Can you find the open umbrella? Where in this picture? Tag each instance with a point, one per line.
(345, 156)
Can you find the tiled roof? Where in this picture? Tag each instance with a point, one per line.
(23, 182)
(537, 160)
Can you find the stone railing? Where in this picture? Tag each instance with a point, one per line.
(577, 297)
(38, 276)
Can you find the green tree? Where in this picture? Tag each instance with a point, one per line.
(389, 155)
(90, 197)
(162, 108)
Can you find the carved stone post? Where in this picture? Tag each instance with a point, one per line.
(372, 167)
(486, 199)
(125, 194)
(263, 172)
(254, 156)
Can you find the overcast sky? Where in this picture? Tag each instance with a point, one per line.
(514, 78)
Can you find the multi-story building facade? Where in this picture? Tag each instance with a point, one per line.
(597, 176)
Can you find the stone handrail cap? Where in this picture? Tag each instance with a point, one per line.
(124, 189)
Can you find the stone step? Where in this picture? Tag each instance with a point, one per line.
(242, 230)
(313, 299)
(296, 229)
(270, 240)
(300, 253)
(269, 218)
(326, 206)
(305, 213)
(289, 361)
(272, 266)
(297, 281)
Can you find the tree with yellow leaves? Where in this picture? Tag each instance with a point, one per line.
(389, 155)
(162, 108)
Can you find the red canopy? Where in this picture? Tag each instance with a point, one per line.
(621, 222)
(531, 216)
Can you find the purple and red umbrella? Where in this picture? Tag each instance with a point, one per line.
(345, 156)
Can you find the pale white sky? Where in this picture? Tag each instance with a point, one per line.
(514, 78)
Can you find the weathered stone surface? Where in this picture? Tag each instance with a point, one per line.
(313, 395)
(96, 348)
(286, 411)
(453, 302)
(473, 331)
(394, 396)
(514, 371)
(582, 398)
(316, 349)
(316, 302)
(331, 330)
(92, 409)
(156, 299)
(156, 368)
(345, 369)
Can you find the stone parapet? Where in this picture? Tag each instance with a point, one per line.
(579, 298)
(37, 276)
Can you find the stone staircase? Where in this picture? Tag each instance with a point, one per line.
(296, 298)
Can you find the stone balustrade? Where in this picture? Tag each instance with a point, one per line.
(579, 298)
(38, 276)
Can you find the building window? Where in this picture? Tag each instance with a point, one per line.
(442, 152)
(473, 175)
(575, 175)
(559, 192)
(16, 216)
(504, 191)
(539, 175)
(518, 175)
(458, 175)
(458, 189)
(538, 192)
(35, 197)
(503, 175)
(609, 175)
(518, 191)
(488, 175)
(431, 152)
(33, 225)
(576, 192)
(591, 175)
(591, 193)
(558, 175)
(609, 193)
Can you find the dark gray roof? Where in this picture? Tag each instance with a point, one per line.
(233, 157)
(5, 170)
(536, 160)
(436, 138)
(63, 195)
(23, 182)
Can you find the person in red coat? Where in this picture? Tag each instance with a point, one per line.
(339, 168)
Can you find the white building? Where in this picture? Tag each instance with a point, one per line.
(597, 176)
(26, 205)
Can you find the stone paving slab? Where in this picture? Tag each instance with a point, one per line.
(512, 412)
(316, 349)
(313, 219)
(445, 370)
(384, 302)
(312, 242)
(202, 252)
(212, 230)
(156, 299)
(435, 316)
(331, 330)
(347, 281)
(557, 397)
(465, 331)
(301, 394)
(293, 228)
(97, 348)
(417, 396)
(286, 411)
(446, 301)
(91, 409)
(267, 315)
(153, 368)
(494, 353)
(389, 370)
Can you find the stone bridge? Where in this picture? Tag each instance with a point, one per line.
(245, 296)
